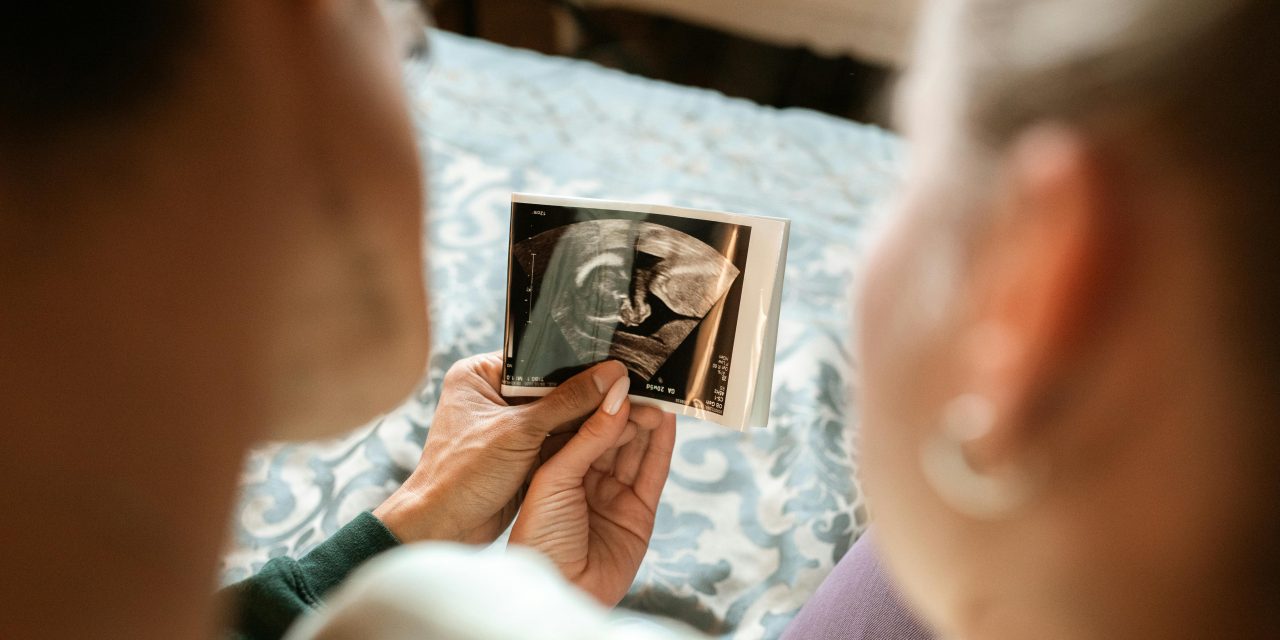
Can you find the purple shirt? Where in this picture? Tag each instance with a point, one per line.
(856, 602)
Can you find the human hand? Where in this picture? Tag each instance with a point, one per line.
(590, 508)
(481, 450)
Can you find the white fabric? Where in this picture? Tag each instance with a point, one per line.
(452, 592)
(876, 30)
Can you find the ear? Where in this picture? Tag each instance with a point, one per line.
(1038, 285)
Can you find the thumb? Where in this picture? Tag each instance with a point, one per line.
(600, 433)
(575, 398)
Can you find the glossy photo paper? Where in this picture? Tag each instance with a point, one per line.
(686, 299)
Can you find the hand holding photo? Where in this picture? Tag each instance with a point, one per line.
(663, 290)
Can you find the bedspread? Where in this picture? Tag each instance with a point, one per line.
(749, 523)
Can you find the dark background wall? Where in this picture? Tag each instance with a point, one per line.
(671, 50)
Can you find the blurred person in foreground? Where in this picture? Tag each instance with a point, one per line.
(1070, 338)
(210, 235)
(1067, 341)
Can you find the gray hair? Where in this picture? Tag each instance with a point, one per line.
(1086, 62)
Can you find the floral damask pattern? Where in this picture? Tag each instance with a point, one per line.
(750, 523)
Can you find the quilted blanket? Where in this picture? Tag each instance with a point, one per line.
(749, 523)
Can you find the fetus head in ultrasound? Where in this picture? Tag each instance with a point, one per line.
(624, 289)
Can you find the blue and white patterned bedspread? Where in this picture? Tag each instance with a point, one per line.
(749, 523)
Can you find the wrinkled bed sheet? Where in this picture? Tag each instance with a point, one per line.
(749, 523)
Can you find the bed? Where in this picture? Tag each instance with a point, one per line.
(750, 523)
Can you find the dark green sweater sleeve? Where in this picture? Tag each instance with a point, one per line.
(264, 605)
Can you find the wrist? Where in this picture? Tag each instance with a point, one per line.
(412, 515)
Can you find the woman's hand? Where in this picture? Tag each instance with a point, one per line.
(481, 451)
(590, 508)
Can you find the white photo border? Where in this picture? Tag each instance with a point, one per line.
(759, 285)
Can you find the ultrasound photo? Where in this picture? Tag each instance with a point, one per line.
(658, 293)
(625, 289)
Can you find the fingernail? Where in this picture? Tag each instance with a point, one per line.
(602, 382)
(617, 393)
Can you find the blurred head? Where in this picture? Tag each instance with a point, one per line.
(212, 202)
(1069, 349)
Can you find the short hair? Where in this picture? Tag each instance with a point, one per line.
(66, 61)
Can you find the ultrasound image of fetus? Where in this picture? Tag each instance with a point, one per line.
(625, 289)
